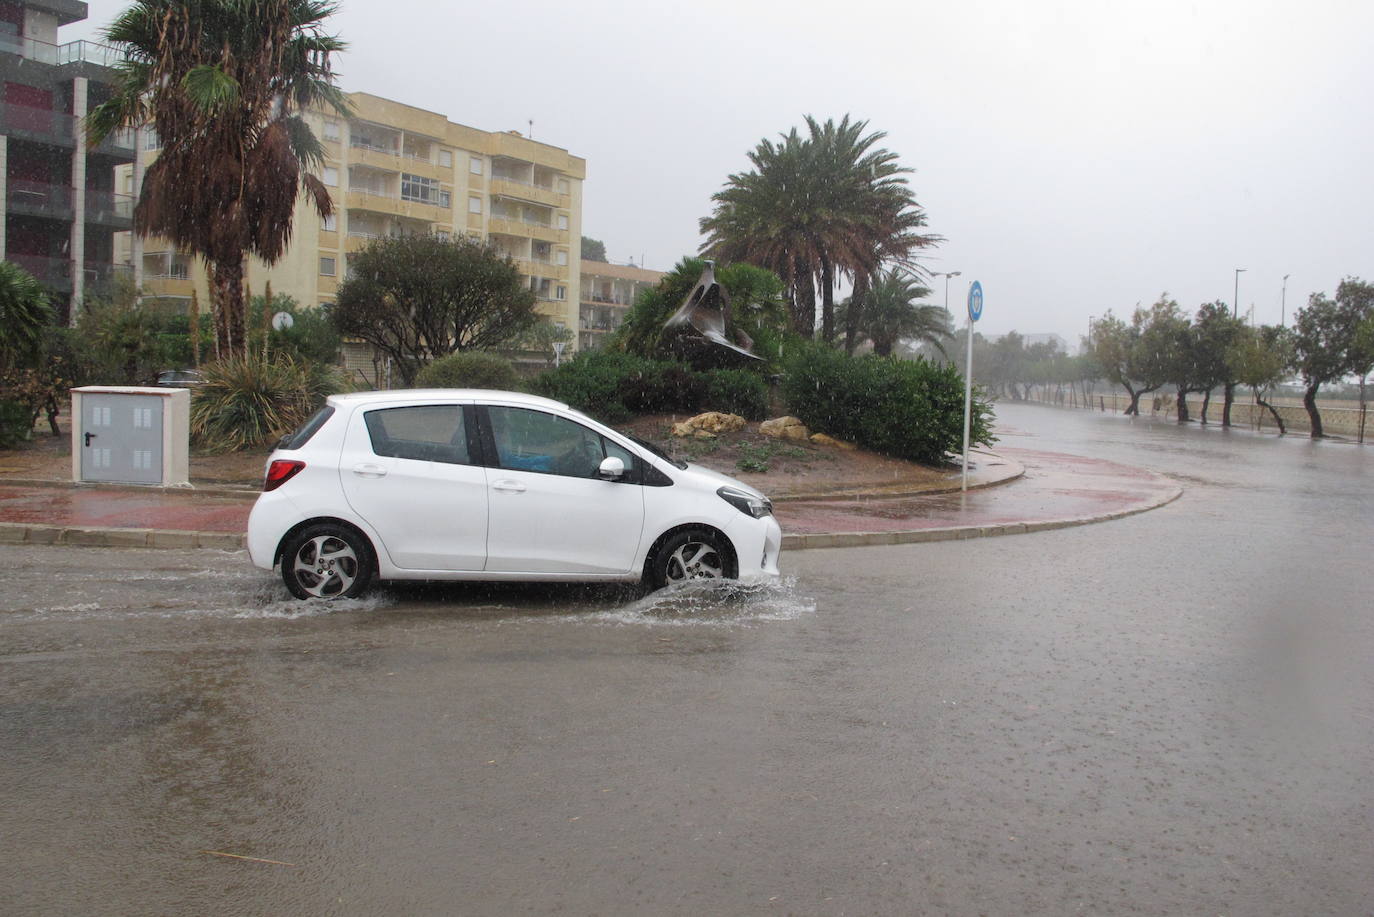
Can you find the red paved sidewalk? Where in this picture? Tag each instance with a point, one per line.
(1057, 490)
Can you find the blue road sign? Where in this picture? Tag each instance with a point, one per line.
(975, 301)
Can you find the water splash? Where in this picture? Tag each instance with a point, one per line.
(715, 602)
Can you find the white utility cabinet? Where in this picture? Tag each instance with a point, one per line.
(131, 435)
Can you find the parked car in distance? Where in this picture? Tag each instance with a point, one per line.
(466, 484)
(180, 378)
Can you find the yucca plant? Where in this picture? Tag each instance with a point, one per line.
(247, 401)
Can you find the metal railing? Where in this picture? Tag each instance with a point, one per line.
(364, 145)
(52, 272)
(46, 122)
(110, 202)
(42, 195)
(496, 176)
(72, 52)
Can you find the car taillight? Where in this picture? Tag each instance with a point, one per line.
(279, 472)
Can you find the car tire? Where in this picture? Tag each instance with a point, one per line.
(692, 554)
(327, 562)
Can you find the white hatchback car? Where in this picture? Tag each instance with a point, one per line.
(458, 484)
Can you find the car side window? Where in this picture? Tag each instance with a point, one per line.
(427, 433)
(528, 440)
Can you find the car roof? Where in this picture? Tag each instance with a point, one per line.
(422, 395)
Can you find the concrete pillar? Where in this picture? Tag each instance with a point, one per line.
(4, 191)
(78, 246)
(135, 240)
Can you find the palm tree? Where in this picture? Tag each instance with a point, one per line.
(816, 208)
(223, 82)
(24, 313)
(891, 313)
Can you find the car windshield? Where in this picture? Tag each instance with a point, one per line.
(651, 448)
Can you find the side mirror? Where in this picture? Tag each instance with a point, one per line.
(611, 469)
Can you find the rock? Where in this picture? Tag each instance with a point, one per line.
(821, 439)
(712, 423)
(788, 427)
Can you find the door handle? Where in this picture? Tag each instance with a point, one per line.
(89, 437)
(368, 470)
(508, 487)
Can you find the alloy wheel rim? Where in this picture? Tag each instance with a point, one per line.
(326, 566)
(695, 560)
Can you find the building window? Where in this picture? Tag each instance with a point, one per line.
(151, 141)
(326, 266)
(563, 186)
(330, 223)
(562, 221)
(446, 158)
(421, 189)
(562, 257)
(331, 130)
(330, 176)
(441, 235)
(560, 292)
(474, 205)
(475, 166)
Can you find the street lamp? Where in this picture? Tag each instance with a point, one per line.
(1235, 299)
(1283, 302)
(946, 275)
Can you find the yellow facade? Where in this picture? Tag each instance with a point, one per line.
(396, 169)
(606, 293)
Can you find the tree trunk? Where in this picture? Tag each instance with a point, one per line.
(1309, 401)
(228, 306)
(854, 316)
(1206, 400)
(1275, 414)
(803, 301)
(1182, 406)
(1362, 409)
(827, 301)
(1133, 408)
(1229, 389)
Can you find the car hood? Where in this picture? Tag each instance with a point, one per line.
(715, 479)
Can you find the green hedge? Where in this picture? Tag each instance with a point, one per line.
(613, 386)
(469, 369)
(16, 423)
(910, 409)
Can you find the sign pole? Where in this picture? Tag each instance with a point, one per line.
(975, 310)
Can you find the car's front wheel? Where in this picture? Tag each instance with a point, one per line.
(692, 554)
(327, 562)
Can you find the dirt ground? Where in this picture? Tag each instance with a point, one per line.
(779, 469)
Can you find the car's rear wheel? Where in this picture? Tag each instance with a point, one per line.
(327, 562)
(692, 554)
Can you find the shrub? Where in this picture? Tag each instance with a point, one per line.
(469, 369)
(613, 385)
(16, 423)
(737, 391)
(247, 401)
(911, 409)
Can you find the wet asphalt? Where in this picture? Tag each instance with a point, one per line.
(1170, 713)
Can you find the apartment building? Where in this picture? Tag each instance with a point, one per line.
(607, 291)
(394, 169)
(59, 198)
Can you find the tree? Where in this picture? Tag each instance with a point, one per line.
(1362, 358)
(1261, 358)
(815, 208)
(1214, 333)
(1136, 356)
(415, 298)
(24, 314)
(892, 313)
(593, 250)
(1325, 340)
(223, 82)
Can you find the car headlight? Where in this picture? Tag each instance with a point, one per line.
(747, 503)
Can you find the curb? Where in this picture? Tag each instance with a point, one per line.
(245, 491)
(1013, 470)
(960, 533)
(19, 533)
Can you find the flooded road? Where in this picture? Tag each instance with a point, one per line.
(1171, 713)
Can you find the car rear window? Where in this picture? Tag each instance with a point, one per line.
(427, 433)
(307, 429)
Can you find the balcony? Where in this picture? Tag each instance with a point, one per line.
(98, 274)
(71, 53)
(38, 124)
(107, 208)
(53, 273)
(522, 190)
(39, 199)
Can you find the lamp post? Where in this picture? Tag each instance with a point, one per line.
(947, 275)
(1283, 302)
(1235, 298)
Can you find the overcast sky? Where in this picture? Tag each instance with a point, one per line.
(1076, 156)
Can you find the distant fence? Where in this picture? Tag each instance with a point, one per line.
(1339, 421)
